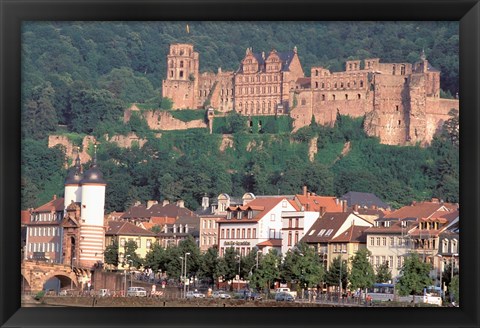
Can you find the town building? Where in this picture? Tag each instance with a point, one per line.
(308, 208)
(400, 101)
(121, 232)
(257, 224)
(337, 234)
(44, 232)
(413, 228)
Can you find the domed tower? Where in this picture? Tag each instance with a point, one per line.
(92, 231)
(73, 190)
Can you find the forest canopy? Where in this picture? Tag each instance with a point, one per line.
(78, 78)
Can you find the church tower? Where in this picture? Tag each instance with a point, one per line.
(92, 231)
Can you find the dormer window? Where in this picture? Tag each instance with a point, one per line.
(250, 214)
(329, 232)
(239, 215)
(229, 215)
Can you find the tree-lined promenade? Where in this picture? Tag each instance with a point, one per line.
(301, 268)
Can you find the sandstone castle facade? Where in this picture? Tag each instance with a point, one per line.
(400, 101)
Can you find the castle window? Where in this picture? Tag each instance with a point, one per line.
(181, 73)
(361, 84)
(258, 90)
(323, 85)
(275, 78)
(181, 64)
(348, 85)
(263, 78)
(333, 97)
(399, 122)
(396, 107)
(359, 96)
(316, 72)
(171, 73)
(258, 78)
(263, 89)
(323, 97)
(205, 93)
(346, 97)
(304, 102)
(181, 52)
(171, 64)
(335, 86)
(263, 106)
(402, 70)
(341, 85)
(393, 70)
(316, 85)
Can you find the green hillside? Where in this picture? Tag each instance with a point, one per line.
(78, 78)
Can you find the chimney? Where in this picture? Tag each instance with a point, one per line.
(150, 203)
(323, 209)
(304, 190)
(434, 200)
(374, 207)
(355, 208)
(181, 203)
(165, 202)
(344, 205)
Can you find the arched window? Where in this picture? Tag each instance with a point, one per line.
(333, 97)
(181, 64)
(316, 85)
(323, 85)
(359, 96)
(346, 97)
(361, 84)
(316, 72)
(323, 97)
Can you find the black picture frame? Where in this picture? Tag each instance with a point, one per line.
(13, 12)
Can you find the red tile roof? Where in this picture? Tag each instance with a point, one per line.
(417, 211)
(355, 234)
(326, 227)
(271, 243)
(162, 220)
(55, 205)
(25, 217)
(126, 228)
(260, 206)
(314, 203)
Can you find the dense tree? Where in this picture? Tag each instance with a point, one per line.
(111, 254)
(384, 273)
(39, 115)
(361, 275)
(337, 272)
(130, 257)
(415, 276)
(268, 270)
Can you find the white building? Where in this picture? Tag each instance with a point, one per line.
(257, 224)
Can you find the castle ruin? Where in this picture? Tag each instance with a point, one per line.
(400, 101)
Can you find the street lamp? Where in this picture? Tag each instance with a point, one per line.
(340, 281)
(185, 276)
(181, 272)
(440, 271)
(238, 281)
(125, 272)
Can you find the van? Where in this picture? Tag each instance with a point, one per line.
(136, 291)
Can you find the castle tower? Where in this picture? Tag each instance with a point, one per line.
(92, 231)
(73, 190)
(181, 84)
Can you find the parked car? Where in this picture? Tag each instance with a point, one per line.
(221, 294)
(286, 290)
(136, 291)
(284, 296)
(104, 292)
(195, 294)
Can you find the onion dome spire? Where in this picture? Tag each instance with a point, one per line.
(93, 174)
(75, 173)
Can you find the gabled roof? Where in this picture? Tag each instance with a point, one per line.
(117, 228)
(260, 206)
(157, 210)
(271, 243)
(395, 227)
(313, 203)
(326, 227)
(417, 211)
(285, 59)
(362, 199)
(355, 234)
(56, 205)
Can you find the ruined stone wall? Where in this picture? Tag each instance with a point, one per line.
(416, 128)
(127, 141)
(389, 119)
(70, 151)
(437, 114)
(222, 97)
(161, 120)
(182, 93)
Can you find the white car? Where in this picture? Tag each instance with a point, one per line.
(195, 294)
(221, 294)
(136, 291)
